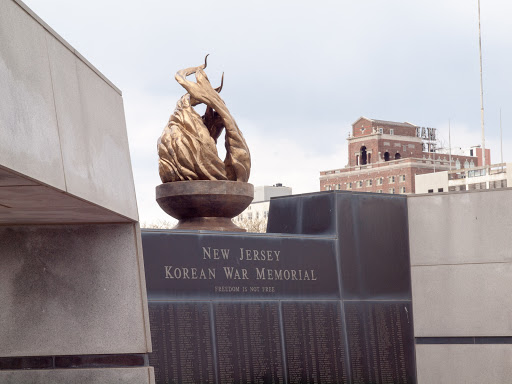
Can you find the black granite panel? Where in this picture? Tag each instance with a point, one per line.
(223, 266)
(445, 340)
(248, 342)
(465, 340)
(99, 361)
(307, 214)
(315, 351)
(381, 342)
(374, 246)
(493, 340)
(32, 362)
(182, 342)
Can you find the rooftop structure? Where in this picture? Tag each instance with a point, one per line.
(385, 157)
(489, 177)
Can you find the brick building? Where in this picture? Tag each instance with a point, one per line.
(385, 157)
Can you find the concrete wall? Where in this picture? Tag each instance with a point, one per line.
(75, 286)
(61, 122)
(461, 267)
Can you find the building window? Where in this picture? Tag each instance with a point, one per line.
(364, 156)
(380, 180)
(430, 191)
(338, 187)
(381, 130)
(379, 191)
(257, 215)
(391, 190)
(439, 189)
(386, 156)
(402, 189)
(265, 214)
(397, 156)
(349, 185)
(360, 184)
(391, 131)
(391, 179)
(249, 215)
(402, 178)
(369, 183)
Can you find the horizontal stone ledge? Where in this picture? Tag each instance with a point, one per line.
(74, 361)
(465, 340)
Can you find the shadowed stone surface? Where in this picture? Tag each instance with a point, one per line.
(80, 376)
(70, 290)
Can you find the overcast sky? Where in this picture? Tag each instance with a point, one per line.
(298, 73)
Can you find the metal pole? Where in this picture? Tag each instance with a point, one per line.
(450, 144)
(501, 139)
(481, 88)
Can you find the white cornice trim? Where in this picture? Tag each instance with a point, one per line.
(383, 136)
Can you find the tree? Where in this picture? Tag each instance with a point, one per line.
(159, 224)
(256, 226)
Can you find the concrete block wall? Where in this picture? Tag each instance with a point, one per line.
(461, 267)
(72, 285)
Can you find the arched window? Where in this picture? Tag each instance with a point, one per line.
(397, 156)
(466, 164)
(364, 156)
(386, 156)
(457, 164)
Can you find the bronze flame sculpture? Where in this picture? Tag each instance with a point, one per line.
(200, 189)
(187, 147)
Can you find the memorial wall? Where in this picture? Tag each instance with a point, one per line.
(323, 297)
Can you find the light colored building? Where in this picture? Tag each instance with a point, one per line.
(490, 177)
(258, 210)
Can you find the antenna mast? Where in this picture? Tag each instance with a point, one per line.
(450, 144)
(481, 88)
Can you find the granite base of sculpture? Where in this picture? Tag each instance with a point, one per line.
(200, 190)
(205, 204)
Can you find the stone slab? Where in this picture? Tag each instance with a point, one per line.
(461, 364)
(71, 290)
(464, 227)
(185, 265)
(62, 124)
(143, 375)
(372, 232)
(29, 203)
(29, 137)
(462, 300)
(92, 133)
(10, 179)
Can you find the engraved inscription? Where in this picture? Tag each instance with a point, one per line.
(314, 342)
(380, 340)
(182, 345)
(248, 343)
